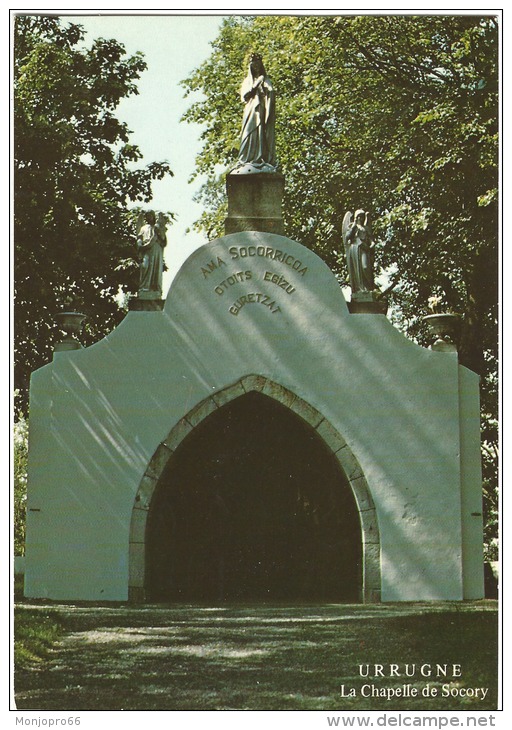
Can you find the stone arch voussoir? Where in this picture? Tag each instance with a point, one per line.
(371, 591)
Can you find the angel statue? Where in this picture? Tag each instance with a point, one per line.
(358, 241)
(257, 145)
(151, 241)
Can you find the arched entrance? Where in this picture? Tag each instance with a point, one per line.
(254, 496)
(253, 505)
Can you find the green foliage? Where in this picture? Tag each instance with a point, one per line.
(20, 454)
(75, 173)
(393, 114)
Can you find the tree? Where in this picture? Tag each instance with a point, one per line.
(393, 114)
(74, 176)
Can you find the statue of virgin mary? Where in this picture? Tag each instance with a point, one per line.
(257, 145)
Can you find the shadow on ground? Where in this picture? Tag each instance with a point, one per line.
(263, 657)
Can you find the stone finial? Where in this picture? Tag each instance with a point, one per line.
(71, 324)
(445, 326)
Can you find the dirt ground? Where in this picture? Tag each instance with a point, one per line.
(264, 657)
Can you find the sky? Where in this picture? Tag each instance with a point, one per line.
(173, 47)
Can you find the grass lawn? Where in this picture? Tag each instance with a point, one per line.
(257, 657)
(35, 635)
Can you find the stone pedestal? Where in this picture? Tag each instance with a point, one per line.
(141, 304)
(367, 302)
(254, 203)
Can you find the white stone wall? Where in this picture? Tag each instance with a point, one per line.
(254, 304)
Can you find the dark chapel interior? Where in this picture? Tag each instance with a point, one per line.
(253, 506)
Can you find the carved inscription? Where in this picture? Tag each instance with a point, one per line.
(277, 279)
(212, 266)
(254, 298)
(233, 279)
(269, 253)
